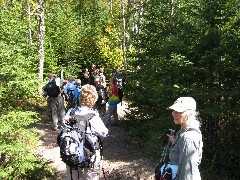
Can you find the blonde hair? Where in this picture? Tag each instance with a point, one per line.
(89, 95)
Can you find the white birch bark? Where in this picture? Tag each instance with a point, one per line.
(41, 44)
(29, 22)
(41, 39)
(124, 35)
(171, 3)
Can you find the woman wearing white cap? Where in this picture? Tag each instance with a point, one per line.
(186, 151)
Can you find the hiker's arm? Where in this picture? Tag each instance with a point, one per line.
(98, 126)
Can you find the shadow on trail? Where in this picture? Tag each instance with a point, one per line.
(119, 146)
(124, 157)
(43, 126)
(48, 148)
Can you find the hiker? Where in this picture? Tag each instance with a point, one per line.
(101, 102)
(93, 74)
(94, 71)
(102, 77)
(119, 81)
(55, 101)
(62, 89)
(85, 78)
(68, 92)
(112, 102)
(117, 74)
(88, 98)
(186, 151)
(77, 92)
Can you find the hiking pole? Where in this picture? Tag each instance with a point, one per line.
(166, 147)
(164, 157)
(71, 173)
(104, 175)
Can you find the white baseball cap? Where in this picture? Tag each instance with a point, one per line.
(78, 81)
(184, 103)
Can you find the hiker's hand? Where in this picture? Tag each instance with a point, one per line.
(171, 138)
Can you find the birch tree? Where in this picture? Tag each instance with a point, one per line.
(41, 39)
(124, 35)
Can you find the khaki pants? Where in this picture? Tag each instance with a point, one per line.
(56, 110)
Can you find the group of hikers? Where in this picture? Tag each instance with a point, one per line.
(59, 91)
(86, 103)
(85, 123)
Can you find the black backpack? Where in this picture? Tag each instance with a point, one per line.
(120, 94)
(77, 142)
(52, 89)
(102, 95)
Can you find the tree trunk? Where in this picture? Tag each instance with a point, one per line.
(124, 36)
(41, 42)
(140, 18)
(171, 3)
(29, 22)
(110, 6)
(41, 39)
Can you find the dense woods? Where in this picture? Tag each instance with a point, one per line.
(166, 48)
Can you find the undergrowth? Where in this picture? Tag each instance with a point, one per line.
(19, 158)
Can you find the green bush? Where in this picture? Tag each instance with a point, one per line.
(18, 91)
(18, 144)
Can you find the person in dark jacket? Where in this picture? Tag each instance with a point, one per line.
(85, 78)
(101, 102)
(55, 101)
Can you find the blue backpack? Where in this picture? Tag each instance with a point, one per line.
(77, 142)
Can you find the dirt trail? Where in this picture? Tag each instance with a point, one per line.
(123, 158)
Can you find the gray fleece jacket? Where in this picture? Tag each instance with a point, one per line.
(186, 151)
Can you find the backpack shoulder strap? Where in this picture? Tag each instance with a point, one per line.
(72, 113)
(192, 129)
(85, 117)
(83, 120)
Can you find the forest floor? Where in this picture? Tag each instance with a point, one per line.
(123, 155)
